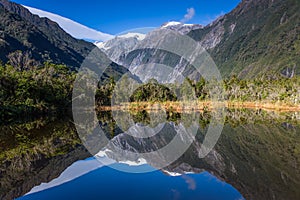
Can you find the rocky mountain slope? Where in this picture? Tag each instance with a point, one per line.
(133, 50)
(257, 37)
(38, 38)
(120, 45)
(26, 40)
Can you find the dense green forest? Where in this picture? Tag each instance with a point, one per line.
(278, 89)
(270, 89)
(48, 89)
(37, 90)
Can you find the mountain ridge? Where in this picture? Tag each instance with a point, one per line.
(258, 37)
(74, 28)
(40, 38)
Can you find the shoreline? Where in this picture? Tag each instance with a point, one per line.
(201, 106)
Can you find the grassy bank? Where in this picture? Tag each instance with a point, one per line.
(202, 105)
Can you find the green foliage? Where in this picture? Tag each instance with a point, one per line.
(141, 117)
(275, 89)
(280, 89)
(104, 93)
(153, 92)
(256, 38)
(27, 39)
(40, 89)
(269, 89)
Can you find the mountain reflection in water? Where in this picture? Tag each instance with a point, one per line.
(256, 157)
(107, 183)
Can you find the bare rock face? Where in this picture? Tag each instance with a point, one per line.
(119, 46)
(215, 35)
(132, 51)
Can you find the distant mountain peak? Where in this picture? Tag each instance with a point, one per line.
(126, 40)
(180, 27)
(138, 36)
(171, 23)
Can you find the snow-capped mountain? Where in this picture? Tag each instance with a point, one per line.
(180, 27)
(146, 59)
(120, 39)
(134, 151)
(120, 45)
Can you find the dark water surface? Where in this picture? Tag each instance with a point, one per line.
(256, 157)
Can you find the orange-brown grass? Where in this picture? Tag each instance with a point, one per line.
(183, 106)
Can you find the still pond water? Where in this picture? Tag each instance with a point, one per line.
(256, 157)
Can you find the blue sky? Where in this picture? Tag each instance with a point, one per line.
(117, 16)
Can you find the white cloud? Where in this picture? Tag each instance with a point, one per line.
(189, 15)
(73, 28)
(190, 182)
